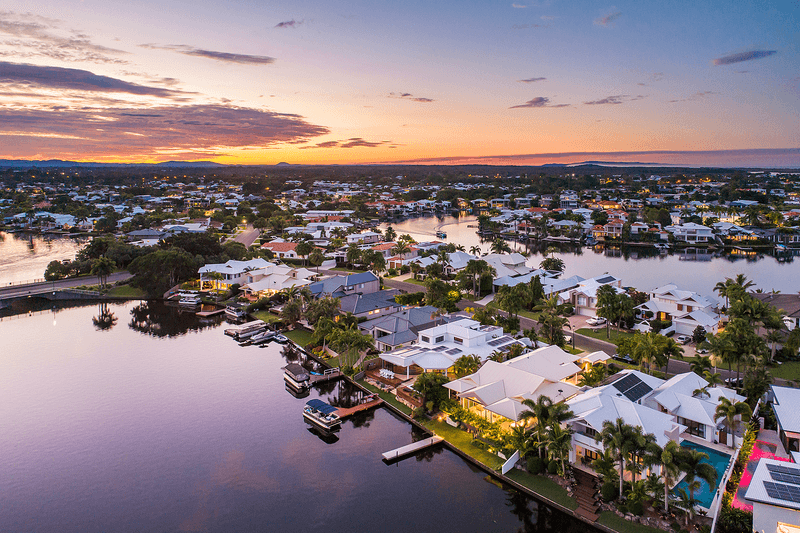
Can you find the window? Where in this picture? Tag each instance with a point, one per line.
(688, 308)
(458, 340)
(693, 428)
(425, 339)
(590, 432)
(440, 339)
(590, 455)
(680, 307)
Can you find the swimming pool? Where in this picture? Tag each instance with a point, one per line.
(719, 460)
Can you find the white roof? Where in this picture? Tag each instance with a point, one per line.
(236, 267)
(785, 404)
(757, 491)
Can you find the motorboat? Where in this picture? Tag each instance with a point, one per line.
(264, 336)
(247, 330)
(280, 338)
(297, 376)
(441, 234)
(236, 312)
(190, 301)
(322, 414)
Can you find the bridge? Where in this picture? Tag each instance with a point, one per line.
(63, 289)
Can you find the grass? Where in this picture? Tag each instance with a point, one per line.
(544, 486)
(300, 336)
(600, 334)
(266, 316)
(126, 291)
(463, 441)
(387, 397)
(353, 270)
(414, 281)
(617, 523)
(529, 314)
(789, 370)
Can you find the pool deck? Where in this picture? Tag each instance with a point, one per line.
(721, 448)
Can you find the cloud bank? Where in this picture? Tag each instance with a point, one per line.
(225, 57)
(743, 56)
(539, 101)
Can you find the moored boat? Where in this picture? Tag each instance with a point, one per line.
(321, 414)
(247, 330)
(280, 338)
(441, 234)
(264, 336)
(297, 376)
(236, 312)
(190, 301)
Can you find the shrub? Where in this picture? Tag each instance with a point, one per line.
(609, 492)
(552, 467)
(535, 465)
(636, 507)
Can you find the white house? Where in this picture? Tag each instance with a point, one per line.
(691, 232)
(686, 309)
(774, 492)
(240, 272)
(583, 297)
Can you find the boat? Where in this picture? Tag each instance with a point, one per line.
(283, 339)
(661, 246)
(190, 301)
(246, 330)
(297, 376)
(440, 234)
(264, 336)
(321, 414)
(236, 312)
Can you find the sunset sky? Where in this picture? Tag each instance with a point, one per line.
(259, 82)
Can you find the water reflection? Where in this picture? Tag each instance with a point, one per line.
(159, 320)
(105, 319)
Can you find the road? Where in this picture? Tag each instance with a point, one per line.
(44, 286)
(247, 237)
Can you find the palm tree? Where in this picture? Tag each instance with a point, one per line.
(558, 443)
(546, 413)
(648, 351)
(499, 246)
(475, 250)
(607, 306)
(729, 411)
(713, 378)
(316, 258)
(401, 248)
(101, 268)
(692, 464)
(670, 467)
(618, 438)
(466, 364)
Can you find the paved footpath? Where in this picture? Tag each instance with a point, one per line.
(23, 290)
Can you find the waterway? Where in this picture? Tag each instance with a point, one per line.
(24, 256)
(642, 268)
(137, 417)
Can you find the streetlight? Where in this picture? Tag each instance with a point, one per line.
(572, 334)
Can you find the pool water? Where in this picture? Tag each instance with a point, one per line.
(719, 460)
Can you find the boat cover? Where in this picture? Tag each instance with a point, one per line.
(321, 406)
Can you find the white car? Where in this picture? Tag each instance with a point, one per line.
(596, 321)
(683, 339)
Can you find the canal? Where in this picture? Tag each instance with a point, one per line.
(137, 417)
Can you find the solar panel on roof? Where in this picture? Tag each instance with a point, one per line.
(780, 491)
(496, 342)
(637, 391)
(439, 349)
(606, 279)
(453, 351)
(784, 474)
(626, 382)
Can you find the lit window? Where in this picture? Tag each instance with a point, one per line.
(440, 339)
(458, 340)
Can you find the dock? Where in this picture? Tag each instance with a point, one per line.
(330, 374)
(215, 312)
(344, 412)
(411, 448)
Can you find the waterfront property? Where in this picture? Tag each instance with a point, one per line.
(786, 405)
(705, 493)
(685, 309)
(400, 329)
(774, 492)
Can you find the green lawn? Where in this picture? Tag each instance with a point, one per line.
(351, 270)
(544, 486)
(300, 336)
(414, 281)
(126, 291)
(387, 397)
(529, 314)
(266, 316)
(617, 523)
(789, 370)
(463, 441)
(600, 334)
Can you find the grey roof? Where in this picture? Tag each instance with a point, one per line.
(327, 286)
(364, 277)
(776, 483)
(396, 339)
(363, 303)
(785, 404)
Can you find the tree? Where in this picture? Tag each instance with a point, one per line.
(401, 248)
(670, 467)
(158, 271)
(545, 413)
(607, 306)
(101, 268)
(327, 307)
(304, 248)
(536, 290)
(389, 234)
(618, 438)
(692, 464)
(555, 264)
(292, 312)
(500, 246)
(466, 365)
(699, 334)
(732, 414)
(350, 342)
(553, 322)
(475, 250)
(431, 386)
(559, 443)
(316, 258)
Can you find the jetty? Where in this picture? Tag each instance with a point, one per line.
(328, 375)
(344, 412)
(215, 312)
(408, 449)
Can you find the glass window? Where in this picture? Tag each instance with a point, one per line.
(426, 339)
(458, 340)
(440, 339)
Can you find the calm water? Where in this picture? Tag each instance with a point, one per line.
(150, 420)
(644, 269)
(24, 257)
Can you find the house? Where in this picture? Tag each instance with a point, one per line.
(583, 297)
(276, 279)
(338, 286)
(685, 309)
(370, 304)
(368, 237)
(619, 399)
(496, 391)
(787, 304)
(233, 272)
(282, 250)
(400, 328)
(774, 491)
(692, 233)
(784, 403)
(439, 346)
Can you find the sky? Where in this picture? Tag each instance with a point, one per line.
(375, 81)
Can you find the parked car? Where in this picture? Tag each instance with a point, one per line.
(702, 350)
(684, 339)
(596, 321)
(623, 358)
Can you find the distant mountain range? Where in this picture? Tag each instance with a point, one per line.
(57, 163)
